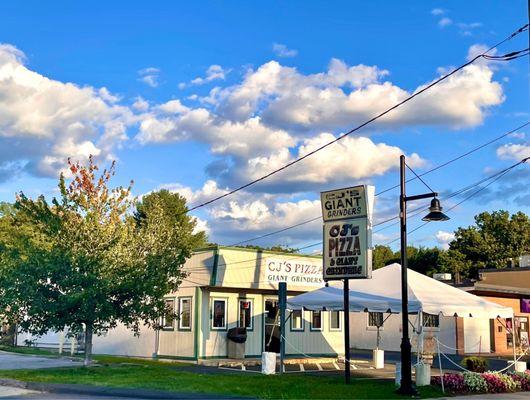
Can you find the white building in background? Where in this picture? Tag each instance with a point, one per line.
(226, 288)
(231, 287)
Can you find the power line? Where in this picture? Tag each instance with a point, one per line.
(499, 176)
(496, 176)
(395, 186)
(406, 100)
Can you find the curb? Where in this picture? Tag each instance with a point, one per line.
(74, 389)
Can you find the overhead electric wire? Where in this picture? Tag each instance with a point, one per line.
(467, 153)
(357, 128)
(497, 177)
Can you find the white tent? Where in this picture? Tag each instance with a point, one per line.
(383, 293)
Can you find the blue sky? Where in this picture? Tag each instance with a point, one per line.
(200, 97)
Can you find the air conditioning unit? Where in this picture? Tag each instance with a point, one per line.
(442, 276)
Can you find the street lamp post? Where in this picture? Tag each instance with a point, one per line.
(435, 214)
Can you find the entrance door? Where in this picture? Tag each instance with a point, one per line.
(272, 326)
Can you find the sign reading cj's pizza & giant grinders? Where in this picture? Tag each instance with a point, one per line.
(347, 215)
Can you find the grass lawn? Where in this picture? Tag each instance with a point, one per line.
(149, 374)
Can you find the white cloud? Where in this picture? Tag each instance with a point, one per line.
(140, 104)
(437, 11)
(442, 23)
(352, 158)
(282, 50)
(444, 238)
(149, 76)
(514, 151)
(44, 121)
(214, 72)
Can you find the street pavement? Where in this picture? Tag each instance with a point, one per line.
(26, 361)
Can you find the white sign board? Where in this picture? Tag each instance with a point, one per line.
(295, 271)
(347, 215)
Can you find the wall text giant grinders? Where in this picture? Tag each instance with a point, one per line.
(347, 215)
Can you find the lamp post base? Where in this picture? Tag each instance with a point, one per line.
(411, 391)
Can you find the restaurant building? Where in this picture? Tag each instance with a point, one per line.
(509, 287)
(229, 287)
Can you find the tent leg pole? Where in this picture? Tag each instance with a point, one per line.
(347, 372)
(440, 365)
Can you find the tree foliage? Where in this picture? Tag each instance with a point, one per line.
(83, 262)
(495, 238)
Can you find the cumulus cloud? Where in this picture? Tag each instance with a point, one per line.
(149, 76)
(346, 95)
(44, 121)
(514, 152)
(444, 238)
(282, 50)
(214, 72)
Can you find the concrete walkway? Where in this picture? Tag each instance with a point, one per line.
(28, 361)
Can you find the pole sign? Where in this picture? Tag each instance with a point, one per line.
(347, 215)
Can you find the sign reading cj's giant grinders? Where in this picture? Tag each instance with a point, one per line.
(347, 215)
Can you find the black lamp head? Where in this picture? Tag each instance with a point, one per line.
(435, 212)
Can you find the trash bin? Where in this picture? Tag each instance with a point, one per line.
(236, 342)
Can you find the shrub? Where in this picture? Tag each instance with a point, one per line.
(475, 382)
(475, 364)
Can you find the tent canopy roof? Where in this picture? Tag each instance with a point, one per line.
(382, 293)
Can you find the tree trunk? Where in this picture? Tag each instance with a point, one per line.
(88, 344)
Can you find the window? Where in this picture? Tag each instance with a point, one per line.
(169, 314)
(219, 314)
(431, 320)
(316, 320)
(185, 313)
(375, 319)
(297, 320)
(245, 314)
(335, 321)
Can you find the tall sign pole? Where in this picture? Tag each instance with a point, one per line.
(347, 366)
(347, 215)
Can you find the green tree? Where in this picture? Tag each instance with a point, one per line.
(425, 260)
(495, 238)
(382, 256)
(84, 263)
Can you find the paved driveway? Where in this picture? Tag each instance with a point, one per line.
(25, 361)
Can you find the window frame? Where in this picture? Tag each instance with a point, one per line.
(302, 328)
(163, 322)
(428, 327)
(311, 327)
(251, 301)
(339, 329)
(374, 327)
(180, 327)
(225, 327)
